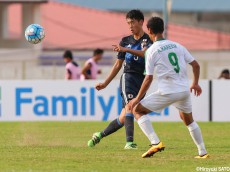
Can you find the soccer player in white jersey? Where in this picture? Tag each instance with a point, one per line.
(169, 59)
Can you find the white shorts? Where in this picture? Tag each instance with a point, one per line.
(156, 102)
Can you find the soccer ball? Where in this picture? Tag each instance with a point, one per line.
(34, 33)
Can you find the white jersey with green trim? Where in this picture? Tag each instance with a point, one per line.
(169, 59)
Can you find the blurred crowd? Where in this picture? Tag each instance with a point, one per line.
(90, 70)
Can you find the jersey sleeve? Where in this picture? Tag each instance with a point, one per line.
(149, 63)
(121, 55)
(188, 57)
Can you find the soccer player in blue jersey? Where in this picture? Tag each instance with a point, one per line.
(131, 56)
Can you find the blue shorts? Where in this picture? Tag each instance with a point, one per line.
(130, 84)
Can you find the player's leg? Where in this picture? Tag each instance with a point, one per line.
(185, 108)
(130, 85)
(195, 133)
(147, 105)
(113, 126)
(129, 128)
(143, 121)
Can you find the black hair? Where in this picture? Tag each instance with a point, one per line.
(98, 51)
(225, 71)
(135, 14)
(68, 54)
(156, 25)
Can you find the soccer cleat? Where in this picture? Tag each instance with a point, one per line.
(130, 145)
(95, 139)
(202, 156)
(154, 149)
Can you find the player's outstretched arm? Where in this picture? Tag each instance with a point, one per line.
(139, 53)
(115, 69)
(196, 74)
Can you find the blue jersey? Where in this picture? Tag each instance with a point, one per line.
(134, 64)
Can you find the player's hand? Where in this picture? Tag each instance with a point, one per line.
(100, 86)
(118, 48)
(133, 103)
(197, 89)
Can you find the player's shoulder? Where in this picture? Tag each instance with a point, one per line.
(130, 37)
(126, 38)
(75, 64)
(156, 46)
(68, 65)
(90, 60)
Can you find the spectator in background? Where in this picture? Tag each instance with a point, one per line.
(224, 74)
(73, 70)
(90, 69)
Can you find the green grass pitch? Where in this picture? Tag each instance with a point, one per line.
(62, 147)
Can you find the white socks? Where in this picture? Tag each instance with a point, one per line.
(196, 135)
(193, 128)
(147, 128)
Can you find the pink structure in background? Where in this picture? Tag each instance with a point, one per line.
(74, 27)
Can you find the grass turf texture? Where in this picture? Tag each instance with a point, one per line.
(62, 146)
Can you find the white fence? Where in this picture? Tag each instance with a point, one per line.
(79, 101)
(220, 100)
